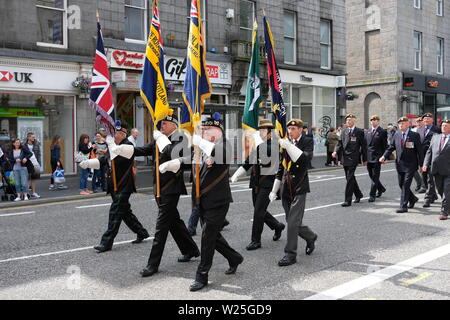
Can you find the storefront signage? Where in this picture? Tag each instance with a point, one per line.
(433, 84)
(305, 78)
(127, 59)
(408, 82)
(20, 112)
(17, 76)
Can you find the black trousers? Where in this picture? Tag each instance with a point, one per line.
(352, 185)
(443, 187)
(404, 182)
(169, 221)
(212, 221)
(260, 214)
(121, 210)
(374, 174)
(431, 188)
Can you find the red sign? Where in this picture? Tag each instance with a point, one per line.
(433, 84)
(213, 71)
(5, 76)
(125, 59)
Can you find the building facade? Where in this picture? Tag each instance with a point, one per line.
(47, 49)
(397, 58)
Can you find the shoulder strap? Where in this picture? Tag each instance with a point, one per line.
(215, 182)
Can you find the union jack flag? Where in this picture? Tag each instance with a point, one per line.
(100, 97)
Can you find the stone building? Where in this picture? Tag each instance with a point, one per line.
(397, 59)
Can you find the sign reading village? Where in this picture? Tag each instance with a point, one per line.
(174, 67)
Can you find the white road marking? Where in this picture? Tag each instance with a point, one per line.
(364, 282)
(63, 251)
(356, 175)
(94, 205)
(17, 214)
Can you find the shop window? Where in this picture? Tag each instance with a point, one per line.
(325, 115)
(246, 18)
(52, 23)
(135, 20)
(290, 37)
(325, 44)
(306, 105)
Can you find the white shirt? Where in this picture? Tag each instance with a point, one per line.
(132, 140)
(447, 137)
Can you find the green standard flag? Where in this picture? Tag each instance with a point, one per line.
(253, 96)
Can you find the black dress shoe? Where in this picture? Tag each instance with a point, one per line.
(346, 204)
(286, 261)
(412, 203)
(418, 188)
(233, 267)
(278, 231)
(379, 193)
(371, 199)
(435, 197)
(253, 246)
(401, 210)
(140, 238)
(225, 223)
(427, 204)
(357, 200)
(195, 286)
(148, 271)
(101, 248)
(310, 246)
(188, 257)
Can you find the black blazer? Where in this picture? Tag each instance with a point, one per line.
(295, 181)
(263, 166)
(409, 156)
(376, 144)
(352, 149)
(170, 182)
(211, 169)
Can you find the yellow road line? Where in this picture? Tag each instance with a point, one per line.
(416, 279)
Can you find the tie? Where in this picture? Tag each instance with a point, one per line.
(443, 142)
(373, 131)
(403, 139)
(426, 131)
(350, 133)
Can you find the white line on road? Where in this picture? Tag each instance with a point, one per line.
(63, 251)
(17, 214)
(361, 283)
(94, 205)
(343, 177)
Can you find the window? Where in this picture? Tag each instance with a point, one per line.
(52, 21)
(290, 36)
(246, 18)
(439, 8)
(135, 20)
(440, 56)
(373, 50)
(417, 50)
(325, 44)
(417, 4)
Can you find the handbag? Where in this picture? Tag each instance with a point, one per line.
(80, 157)
(58, 175)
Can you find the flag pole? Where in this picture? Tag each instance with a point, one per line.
(158, 177)
(197, 129)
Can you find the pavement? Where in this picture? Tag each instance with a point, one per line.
(364, 252)
(144, 183)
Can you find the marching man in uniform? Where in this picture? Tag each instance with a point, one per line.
(120, 184)
(261, 181)
(294, 182)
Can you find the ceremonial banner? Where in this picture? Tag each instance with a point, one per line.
(153, 89)
(197, 87)
(100, 94)
(253, 95)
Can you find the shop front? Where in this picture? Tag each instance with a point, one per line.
(38, 97)
(312, 98)
(423, 94)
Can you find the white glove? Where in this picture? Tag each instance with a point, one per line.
(284, 143)
(91, 164)
(161, 140)
(203, 144)
(239, 172)
(257, 138)
(110, 141)
(292, 150)
(124, 150)
(172, 165)
(275, 188)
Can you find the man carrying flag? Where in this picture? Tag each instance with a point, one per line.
(263, 170)
(119, 161)
(292, 175)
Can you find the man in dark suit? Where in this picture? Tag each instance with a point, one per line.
(409, 156)
(351, 148)
(169, 141)
(215, 198)
(120, 184)
(418, 173)
(438, 157)
(263, 169)
(426, 134)
(292, 176)
(376, 140)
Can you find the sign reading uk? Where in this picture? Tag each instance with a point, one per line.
(18, 76)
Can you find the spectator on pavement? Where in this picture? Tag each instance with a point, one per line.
(100, 149)
(133, 137)
(34, 146)
(18, 156)
(55, 162)
(331, 142)
(85, 147)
